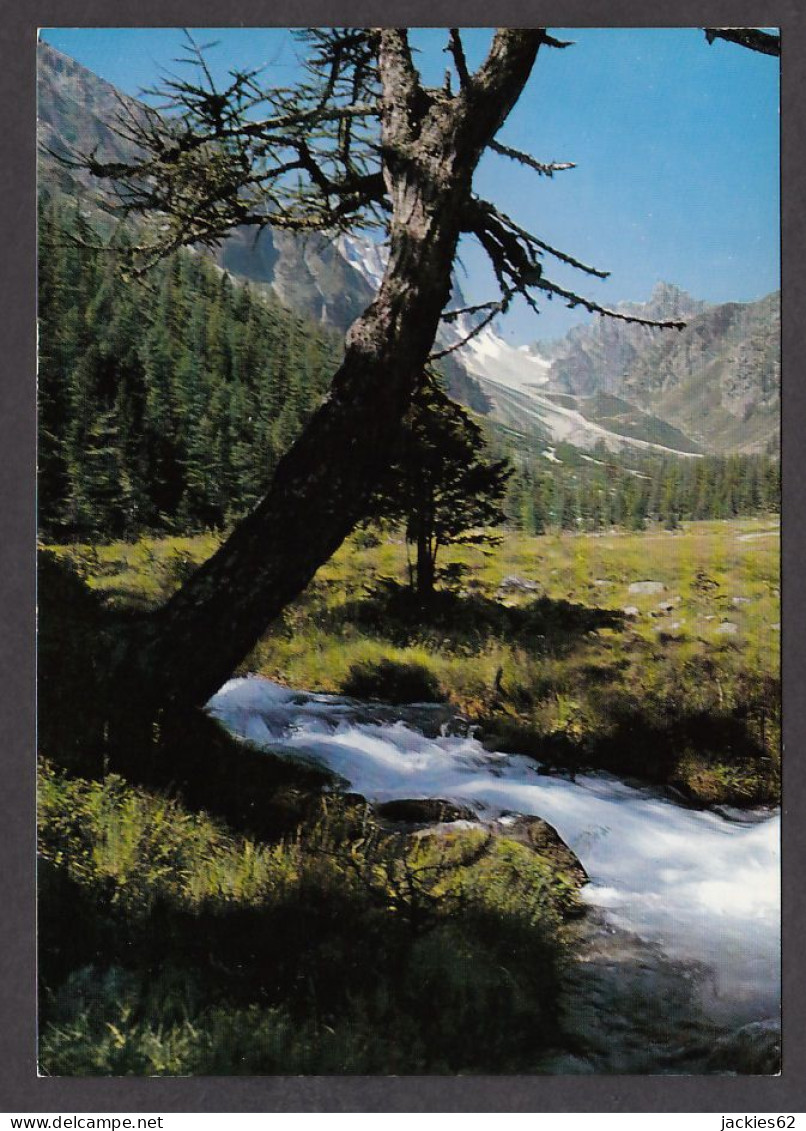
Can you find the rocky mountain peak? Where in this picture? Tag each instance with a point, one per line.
(712, 387)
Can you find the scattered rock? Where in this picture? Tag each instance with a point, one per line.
(601, 581)
(533, 833)
(775, 627)
(727, 628)
(647, 587)
(627, 1008)
(668, 606)
(669, 626)
(753, 1050)
(512, 581)
(544, 839)
(741, 600)
(631, 611)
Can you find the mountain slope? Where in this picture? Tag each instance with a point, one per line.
(317, 276)
(711, 388)
(307, 273)
(716, 383)
(595, 357)
(718, 380)
(517, 383)
(75, 112)
(77, 109)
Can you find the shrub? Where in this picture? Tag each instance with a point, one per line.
(191, 950)
(393, 682)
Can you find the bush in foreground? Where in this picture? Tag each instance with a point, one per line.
(171, 946)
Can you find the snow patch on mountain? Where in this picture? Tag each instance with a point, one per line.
(518, 380)
(485, 355)
(364, 256)
(488, 356)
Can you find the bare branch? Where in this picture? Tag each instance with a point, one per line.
(550, 41)
(476, 308)
(496, 85)
(493, 308)
(514, 257)
(545, 170)
(573, 300)
(212, 164)
(485, 216)
(456, 49)
(315, 162)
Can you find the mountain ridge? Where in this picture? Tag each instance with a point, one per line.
(712, 387)
(717, 381)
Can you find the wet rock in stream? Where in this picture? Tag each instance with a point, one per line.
(628, 1009)
(417, 812)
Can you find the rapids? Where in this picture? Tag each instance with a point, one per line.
(698, 888)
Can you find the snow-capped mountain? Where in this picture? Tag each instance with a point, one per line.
(486, 354)
(364, 256)
(712, 387)
(518, 380)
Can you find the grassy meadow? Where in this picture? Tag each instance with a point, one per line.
(177, 941)
(541, 642)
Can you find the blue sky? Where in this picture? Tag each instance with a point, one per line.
(675, 143)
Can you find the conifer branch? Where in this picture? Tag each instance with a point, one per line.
(545, 169)
(592, 307)
(493, 308)
(514, 255)
(456, 48)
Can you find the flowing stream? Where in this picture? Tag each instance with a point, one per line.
(686, 903)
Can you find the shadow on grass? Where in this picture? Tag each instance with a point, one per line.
(394, 612)
(710, 758)
(474, 989)
(188, 755)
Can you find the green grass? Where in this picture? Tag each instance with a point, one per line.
(184, 931)
(667, 695)
(560, 672)
(170, 946)
(135, 575)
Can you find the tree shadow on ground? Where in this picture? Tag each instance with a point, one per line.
(451, 620)
(322, 947)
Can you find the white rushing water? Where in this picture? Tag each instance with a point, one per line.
(703, 888)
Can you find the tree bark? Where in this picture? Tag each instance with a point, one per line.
(430, 148)
(425, 565)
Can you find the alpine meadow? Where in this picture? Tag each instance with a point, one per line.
(409, 597)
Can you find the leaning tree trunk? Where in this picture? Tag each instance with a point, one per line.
(430, 145)
(425, 565)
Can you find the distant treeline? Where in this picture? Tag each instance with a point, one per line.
(602, 490)
(165, 404)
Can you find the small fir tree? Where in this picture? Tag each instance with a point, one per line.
(441, 484)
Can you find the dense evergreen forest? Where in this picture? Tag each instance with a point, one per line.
(165, 405)
(591, 493)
